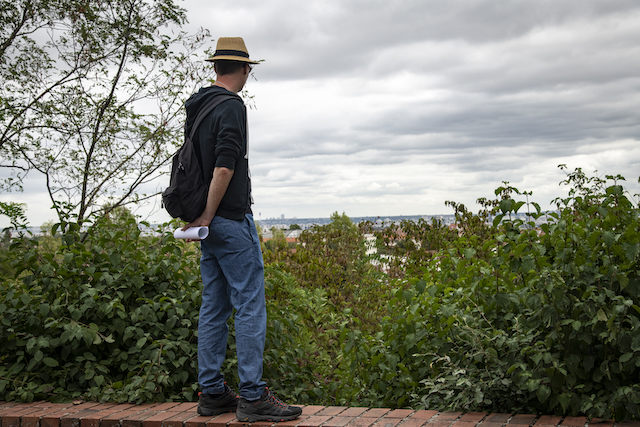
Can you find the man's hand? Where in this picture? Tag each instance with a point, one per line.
(217, 188)
(201, 221)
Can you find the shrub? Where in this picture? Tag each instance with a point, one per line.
(113, 317)
(110, 318)
(519, 318)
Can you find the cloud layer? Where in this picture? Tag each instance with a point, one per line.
(392, 107)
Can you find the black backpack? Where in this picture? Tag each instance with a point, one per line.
(186, 196)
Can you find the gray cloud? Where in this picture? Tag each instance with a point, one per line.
(392, 107)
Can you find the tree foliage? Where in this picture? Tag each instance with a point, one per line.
(91, 96)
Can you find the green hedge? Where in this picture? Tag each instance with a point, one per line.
(111, 317)
(544, 320)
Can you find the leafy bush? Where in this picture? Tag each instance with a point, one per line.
(114, 317)
(508, 313)
(517, 319)
(111, 318)
(333, 257)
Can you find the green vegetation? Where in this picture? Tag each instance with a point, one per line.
(499, 314)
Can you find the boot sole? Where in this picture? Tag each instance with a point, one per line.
(255, 417)
(216, 411)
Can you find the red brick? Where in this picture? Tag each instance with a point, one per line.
(44, 409)
(33, 419)
(166, 406)
(136, 419)
(413, 422)
(52, 405)
(116, 418)
(18, 412)
(7, 404)
(157, 419)
(486, 424)
(475, 417)
(236, 423)
(53, 419)
(314, 421)
(179, 418)
(311, 409)
(50, 420)
(574, 421)
(331, 410)
(399, 413)
(15, 407)
(221, 420)
(387, 422)
(198, 421)
(498, 418)
(437, 423)
(12, 418)
(292, 422)
(73, 419)
(338, 421)
(463, 424)
(354, 411)
(598, 422)
(526, 419)
(363, 422)
(448, 416)
(548, 420)
(8, 409)
(424, 414)
(376, 412)
(93, 420)
(185, 407)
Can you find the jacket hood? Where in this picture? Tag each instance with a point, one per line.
(198, 99)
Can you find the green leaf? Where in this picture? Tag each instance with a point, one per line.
(623, 280)
(50, 362)
(601, 315)
(506, 205)
(576, 325)
(626, 357)
(565, 400)
(543, 392)
(609, 238)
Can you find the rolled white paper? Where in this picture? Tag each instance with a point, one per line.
(199, 233)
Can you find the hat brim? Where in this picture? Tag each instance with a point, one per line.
(231, 58)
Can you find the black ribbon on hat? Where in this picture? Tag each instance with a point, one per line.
(229, 52)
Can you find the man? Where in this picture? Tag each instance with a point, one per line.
(231, 264)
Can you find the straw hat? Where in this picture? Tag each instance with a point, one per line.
(231, 49)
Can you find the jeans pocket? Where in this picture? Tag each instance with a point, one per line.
(251, 229)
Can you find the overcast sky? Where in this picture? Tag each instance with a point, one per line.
(392, 107)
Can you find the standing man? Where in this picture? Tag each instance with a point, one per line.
(231, 264)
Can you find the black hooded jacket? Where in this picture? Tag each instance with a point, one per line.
(221, 141)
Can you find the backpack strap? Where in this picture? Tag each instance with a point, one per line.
(206, 109)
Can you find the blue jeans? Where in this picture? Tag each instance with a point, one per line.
(232, 277)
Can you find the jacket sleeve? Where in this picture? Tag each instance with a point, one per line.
(229, 143)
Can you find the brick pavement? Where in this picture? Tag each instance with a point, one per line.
(91, 414)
